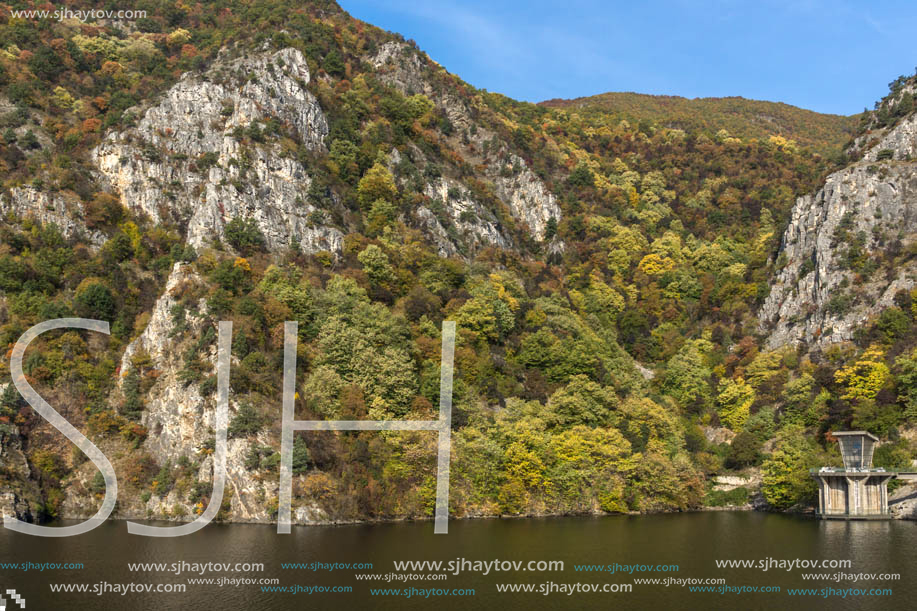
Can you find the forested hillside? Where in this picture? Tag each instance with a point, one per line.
(738, 116)
(269, 161)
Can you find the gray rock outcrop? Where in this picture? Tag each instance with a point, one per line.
(840, 260)
(186, 161)
(16, 487)
(64, 211)
(524, 194)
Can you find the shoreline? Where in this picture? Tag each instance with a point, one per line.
(373, 521)
(807, 513)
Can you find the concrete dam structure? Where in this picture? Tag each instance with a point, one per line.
(857, 491)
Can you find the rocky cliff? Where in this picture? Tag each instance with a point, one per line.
(17, 491)
(184, 161)
(517, 187)
(63, 210)
(845, 253)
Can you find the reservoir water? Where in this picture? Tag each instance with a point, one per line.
(693, 542)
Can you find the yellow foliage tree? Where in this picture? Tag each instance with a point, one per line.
(734, 402)
(866, 377)
(656, 265)
(376, 184)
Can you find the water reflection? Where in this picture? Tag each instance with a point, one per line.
(692, 541)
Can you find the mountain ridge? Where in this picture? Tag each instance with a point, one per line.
(743, 117)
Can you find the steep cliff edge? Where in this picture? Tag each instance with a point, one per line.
(184, 161)
(180, 418)
(223, 144)
(517, 187)
(847, 250)
(17, 491)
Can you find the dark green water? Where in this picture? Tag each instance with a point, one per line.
(691, 541)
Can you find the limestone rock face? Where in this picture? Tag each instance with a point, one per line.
(16, 489)
(64, 211)
(527, 198)
(185, 159)
(477, 226)
(181, 420)
(864, 212)
(450, 217)
(902, 504)
(178, 418)
(901, 140)
(718, 435)
(523, 193)
(876, 137)
(730, 482)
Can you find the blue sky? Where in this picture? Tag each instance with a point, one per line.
(834, 57)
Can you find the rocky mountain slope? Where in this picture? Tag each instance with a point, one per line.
(182, 162)
(239, 141)
(623, 297)
(847, 250)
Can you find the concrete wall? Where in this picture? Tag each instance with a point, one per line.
(853, 495)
